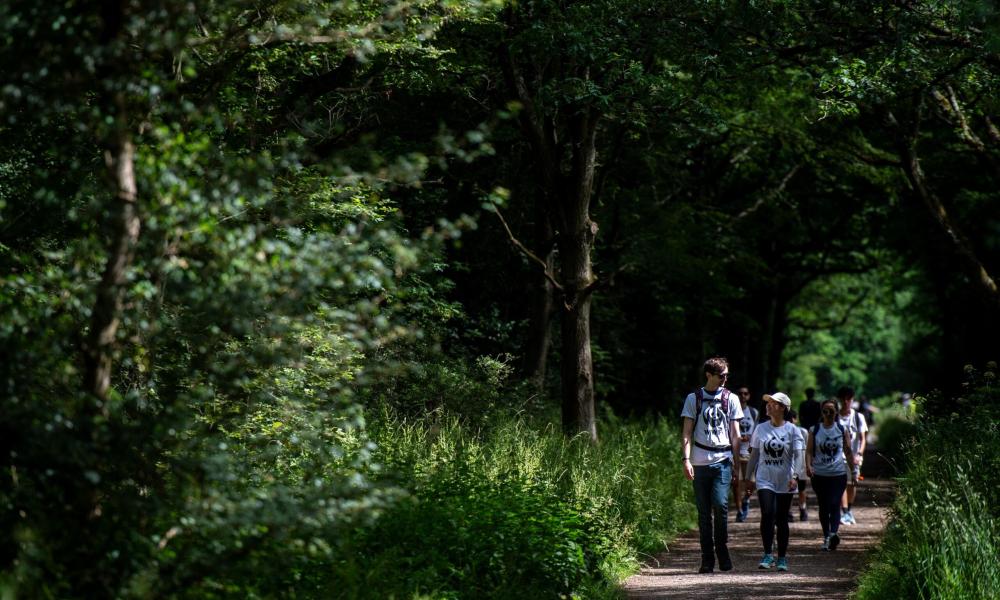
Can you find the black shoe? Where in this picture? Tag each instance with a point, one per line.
(725, 562)
(706, 568)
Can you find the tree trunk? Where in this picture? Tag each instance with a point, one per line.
(576, 241)
(779, 326)
(120, 159)
(536, 351)
(577, 364)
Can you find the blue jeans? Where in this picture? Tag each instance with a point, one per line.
(711, 494)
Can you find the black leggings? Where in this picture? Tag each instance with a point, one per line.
(774, 511)
(828, 493)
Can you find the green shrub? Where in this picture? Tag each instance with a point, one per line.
(514, 507)
(944, 536)
(895, 436)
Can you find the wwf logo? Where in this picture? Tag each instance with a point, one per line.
(714, 417)
(829, 447)
(774, 447)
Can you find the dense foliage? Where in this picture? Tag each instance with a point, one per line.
(945, 529)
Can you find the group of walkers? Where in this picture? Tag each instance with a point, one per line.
(774, 456)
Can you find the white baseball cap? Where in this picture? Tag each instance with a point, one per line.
(780, 398)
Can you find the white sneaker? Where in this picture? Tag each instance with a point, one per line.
(826, 544)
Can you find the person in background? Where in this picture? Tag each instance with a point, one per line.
(803, 478)
(828, 454)
(709, 442)
(741, 496)
(854, 422)
(809, 410)
(776, 455)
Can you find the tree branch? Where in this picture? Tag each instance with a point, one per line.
(524, 250)
(907, 142)
(953, 112)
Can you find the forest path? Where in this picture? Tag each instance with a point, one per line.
(812, 572)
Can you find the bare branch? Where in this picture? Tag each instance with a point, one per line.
(524, 250)
(768, 197)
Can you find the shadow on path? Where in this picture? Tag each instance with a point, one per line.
(812, 572)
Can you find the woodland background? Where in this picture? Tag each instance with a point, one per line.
(372, 299)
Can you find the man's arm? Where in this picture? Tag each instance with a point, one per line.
(686, 447)
(810, 448)
(849, 455)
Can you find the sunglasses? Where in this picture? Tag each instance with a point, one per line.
(828, 411)
(723, 375)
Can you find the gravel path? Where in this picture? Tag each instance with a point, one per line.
(812, 572)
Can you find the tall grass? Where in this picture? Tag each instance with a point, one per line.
(943, 542)
(515, 509)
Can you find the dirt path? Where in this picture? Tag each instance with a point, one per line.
(812, 573)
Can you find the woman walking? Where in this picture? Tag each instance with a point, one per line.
(828, 454)
(776, 452)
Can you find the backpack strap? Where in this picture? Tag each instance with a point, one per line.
(835, 422)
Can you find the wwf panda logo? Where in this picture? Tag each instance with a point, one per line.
(774, 447)
(829, 447)
(714, 417)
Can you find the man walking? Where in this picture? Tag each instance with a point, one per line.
(809, 410)
(854, 423)
(747, 423)
(710, 442)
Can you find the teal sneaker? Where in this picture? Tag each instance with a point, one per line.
(782, 563)
(834, 541)
(767, 562)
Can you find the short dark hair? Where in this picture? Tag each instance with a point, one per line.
(791, 414)
(833, 401)
(810, 393)
(845, 392)
(716, 365)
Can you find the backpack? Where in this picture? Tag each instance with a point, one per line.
(815, 428)
(698, 398)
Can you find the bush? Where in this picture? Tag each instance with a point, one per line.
(512, 508)
(895, 437)
(944, 535)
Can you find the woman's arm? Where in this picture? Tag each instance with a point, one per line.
(751, 480)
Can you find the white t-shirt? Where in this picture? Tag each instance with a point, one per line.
(828, 451)
(776, 447)
(855, 424)
(805, 438)
(748, 422)
(711, 427)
